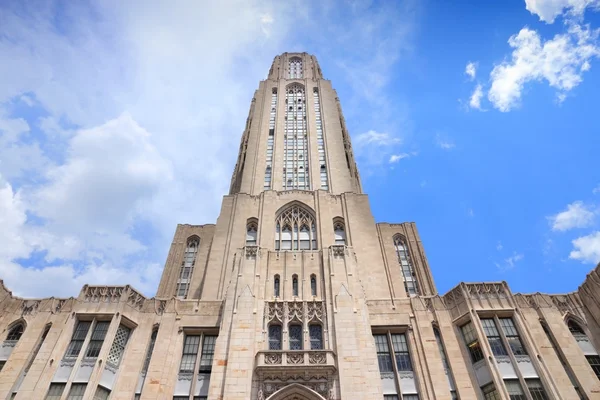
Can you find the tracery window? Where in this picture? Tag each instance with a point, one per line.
(410, 280)
(315, 331)
(274, 337)
(295, 337)
(276, 286)
(339, 231)
(15, 333)
(295, 229)
(270, 140)
(313, 285)
(295, 285)
(251, 232)
(320, 141)
(295, 146)
(295, 67)
(187, 268)
(118, 347)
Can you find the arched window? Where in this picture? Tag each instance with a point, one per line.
(274, 337)
(410, 280)
(15, 332)
(584, 342)
(315, 332)
(339, 231)
(276, 285)
(187, 267)
(313, 285)
(295, 337)
(295, 67)
(295, 140)
(295, 229)
(295, 285)
(251, 231)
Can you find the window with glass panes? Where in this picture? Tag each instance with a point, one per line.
(595, 364)
(320, 141)
(97, 339)
(55, 391)
(408, 274)
(490, 392)
(295, 332)
(270, 141)
(77, 391)
(315, 332)
(295, 68)
(295, 229)
(472, 342)
(493, 337)
(295, 140)
(536, 389)
(187, 268)
(274, 337)
(512, 336)
(15, 333)
(251, 232)
(102, 393)
(198, 350)
(390, 397)
(339, 232)
(78, 338)
(410, 397)
(514, 389)
(384, 356)
(401, 352)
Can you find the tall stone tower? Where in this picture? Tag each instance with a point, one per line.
(297, 294)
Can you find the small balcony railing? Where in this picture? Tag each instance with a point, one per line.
(295, 358)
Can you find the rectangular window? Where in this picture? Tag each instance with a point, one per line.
(472, 342)
(536, 389)
(190, 352)
(514, 389)
(490, 392)
(390, 397)
(97, 339)
(78, 338)
(101, 393)
(401, 352)
(55, 392)
(77, 391)
(512, 336)
(595, 364)
(208, 353)
(295, 337)
(493, 336)
(275, 337)
(316, 337)
(383, 353)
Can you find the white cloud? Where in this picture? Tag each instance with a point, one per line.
(471, 70)
(596, 190)
(373, 138)
(548, 10)
(577, 215)
(394, 158)
(587, 248)
(499, 246)
(443, 142)
(374, 148)
(510, 262)
(560, 61)
(475, 100)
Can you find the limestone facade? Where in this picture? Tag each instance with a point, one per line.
(297, 293)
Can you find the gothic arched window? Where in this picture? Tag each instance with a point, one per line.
(339, 231)
(313, 285)
(295, 229)
(274, 337)
(276, 285)
(295, 140)
(295, 285)
(15, 332)
(251, 231)
(315, 331)
(584, 342)
(295, 66)
(295, 337)
(187, 267)
(410, 280)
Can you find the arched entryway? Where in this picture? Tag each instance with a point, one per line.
(295, 391)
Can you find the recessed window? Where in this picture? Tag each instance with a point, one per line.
(187, 267)
(275, 337)
(295, 285)
(472, 342)
(15, 332)
(295, 337)
(295, 229)
(313, 285)
(276, 285)
(493, 336)
(315, 332)
(410, 280)
(339, 231)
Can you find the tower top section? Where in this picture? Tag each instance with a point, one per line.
(295, 66)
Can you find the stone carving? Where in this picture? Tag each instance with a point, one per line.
(295, 310)
(454, 297)
(104, 294)
(185, 376)
(338, 250)
(387, 375)
(272, 358)
(275, 311)
(317, 358)
(251, 252)
(29, 307)
(161, 307)
(486, 290)
(295, 358)
(315, 310)
(59, 305)
(135, 299)
(561, 302)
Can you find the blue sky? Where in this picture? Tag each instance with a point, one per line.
(473, 119)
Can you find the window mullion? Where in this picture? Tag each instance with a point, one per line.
(513, 359)
(394, 366)
(196, 366)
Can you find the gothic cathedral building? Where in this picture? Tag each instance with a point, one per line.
(296, 293)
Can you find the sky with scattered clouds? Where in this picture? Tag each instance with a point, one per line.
(119, 120)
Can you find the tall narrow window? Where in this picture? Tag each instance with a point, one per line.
(392, 349)
(444, 357)
(97, 339)
(410, 280)
(313, 285)
(187, 268)
(295, 140)
(564, 363)
(276, 285)
(594, 362)
(196, 362)
(514, 389)
(102, 393)
(401, 352)
(493, 337)
(512, 336)
(78, 338)
(274, 337)
(295, 285)
(55, 392)
(490, 392)
(383, 353)
(190, 351)
(591, 354)
(295, 337)
(536, 389)
(118, 347)
(208, 353)
(270, 141)
(149, 351)
(295, 229)
(251, 232)
(339, 231)
(472, 342)
(15, 333)
(316, 336)
(77, 391)
(295, 67)
(320, 141)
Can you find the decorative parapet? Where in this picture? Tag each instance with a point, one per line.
(277, 359)
(487, 291)
(479, 295)
(113, 294)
